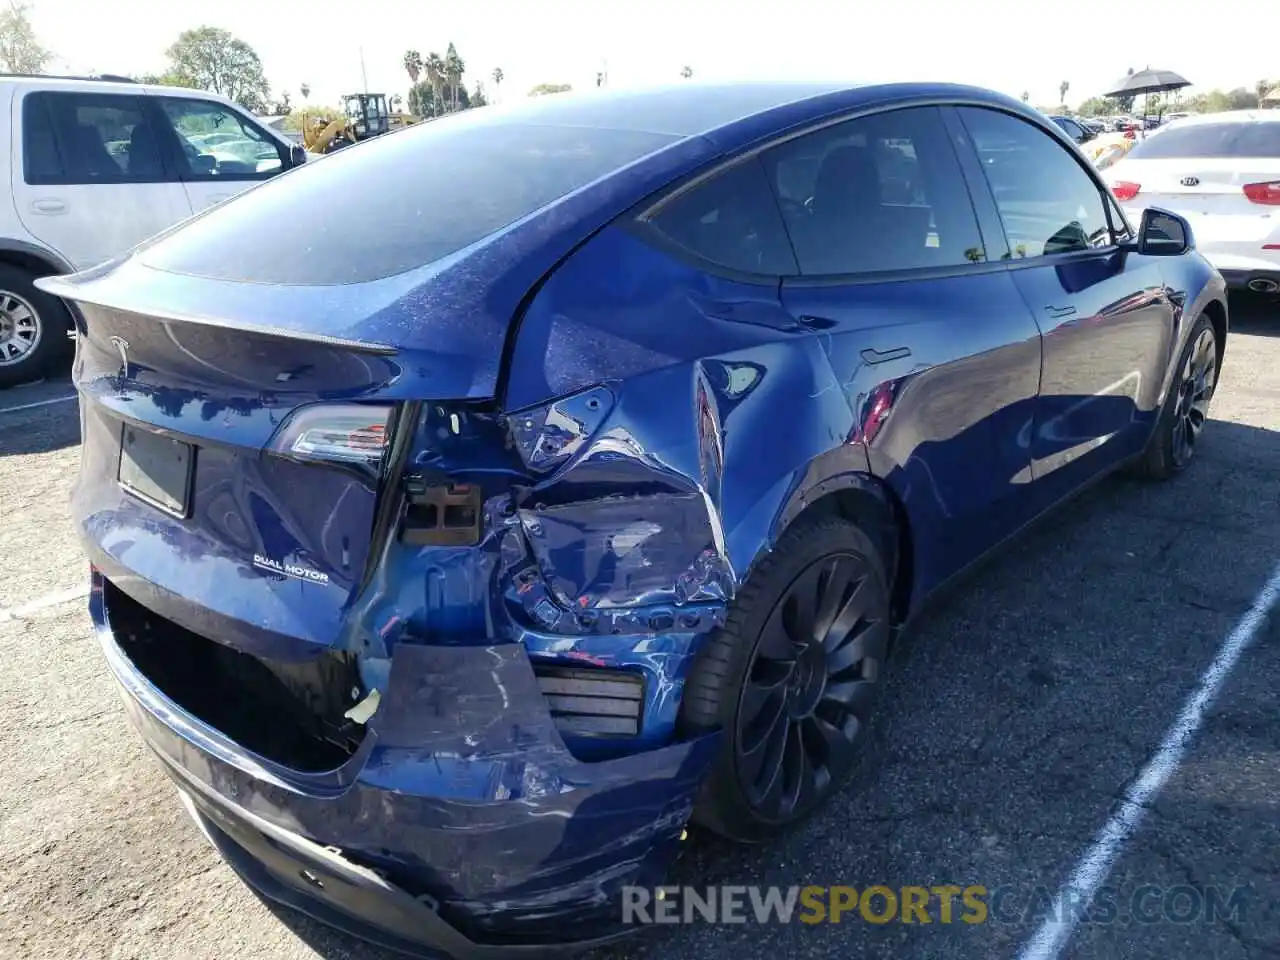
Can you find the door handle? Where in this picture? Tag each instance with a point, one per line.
(48, 206)
(1059, 312)
(871, 355)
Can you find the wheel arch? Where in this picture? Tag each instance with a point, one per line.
(840, 483)
(40, 261)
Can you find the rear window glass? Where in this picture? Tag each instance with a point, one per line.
(1212, 140)
(404, 200)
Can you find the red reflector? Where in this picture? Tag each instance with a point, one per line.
(1125, 190)
(1267, 193)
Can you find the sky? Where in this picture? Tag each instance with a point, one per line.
(1008, 46)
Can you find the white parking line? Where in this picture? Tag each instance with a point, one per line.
(43, 603)
(1050, 940)
(38, 403)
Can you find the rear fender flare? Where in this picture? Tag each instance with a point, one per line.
(821, 486)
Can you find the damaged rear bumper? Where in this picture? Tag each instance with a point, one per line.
(461, 827)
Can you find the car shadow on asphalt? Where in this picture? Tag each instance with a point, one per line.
(1015, 714)
(41, 429)
(1255, 314)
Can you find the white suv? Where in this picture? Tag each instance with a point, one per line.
(96, 166)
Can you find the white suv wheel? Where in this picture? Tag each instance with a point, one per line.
(20, 328)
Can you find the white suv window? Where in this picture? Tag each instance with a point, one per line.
(85, 138)
(219, 144)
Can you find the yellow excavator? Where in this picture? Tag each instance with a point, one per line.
(365, 115)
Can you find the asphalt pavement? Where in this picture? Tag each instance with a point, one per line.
(1017, 714)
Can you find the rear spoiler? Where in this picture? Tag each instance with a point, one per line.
(65, 288)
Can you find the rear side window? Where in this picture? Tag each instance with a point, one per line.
(878, 193)
(217, 143)
(1047, 202)
(730, 220)
(87, 138)
(41, 159)
(397, 202)
(1212, 140)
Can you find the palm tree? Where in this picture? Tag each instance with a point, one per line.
(413, 65)
(1063, 87)
(497, 82)
(305, 90)
(454, 68)
(434, 67)
(686, 72)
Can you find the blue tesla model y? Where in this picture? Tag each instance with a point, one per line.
(456, 545)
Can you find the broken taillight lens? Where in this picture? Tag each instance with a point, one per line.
(549, 435)
(352, 433)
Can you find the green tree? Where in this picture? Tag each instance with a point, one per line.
(478, 99)
(281, 107)
(497, 81)
(454, 68)
(1026, 96)
(1098, 107)
(543, 89)
(686, 72)
(434, 67)
(413, 65)
(422, 101)
(169, 79)
(210, 58)
(20, 51)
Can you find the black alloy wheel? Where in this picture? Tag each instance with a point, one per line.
(810, 687)
(1198, 379)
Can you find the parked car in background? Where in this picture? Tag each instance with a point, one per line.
(1075, 129)
(1220, 171)
(95, 166)
(451, 556)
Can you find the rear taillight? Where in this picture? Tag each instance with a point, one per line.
(1124, 190)
(549, 435)
(1267, 193)
(353, 433)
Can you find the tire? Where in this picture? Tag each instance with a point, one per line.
(812, 667)
(1186, 409)
(33, 328)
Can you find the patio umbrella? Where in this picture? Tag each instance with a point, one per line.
(1147, 82)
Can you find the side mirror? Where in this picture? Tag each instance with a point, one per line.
(297, 155)
(1164, 234)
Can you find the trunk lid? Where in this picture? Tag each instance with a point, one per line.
(208, 467)
(1209, 192)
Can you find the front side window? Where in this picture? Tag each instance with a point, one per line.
(85, 138)
(1048, 202)
(878, 193)
(218, 143)
(729, 220)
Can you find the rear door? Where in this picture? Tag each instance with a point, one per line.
(89, 178)
(217, 151)
(927, 335)
(1107, 319)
